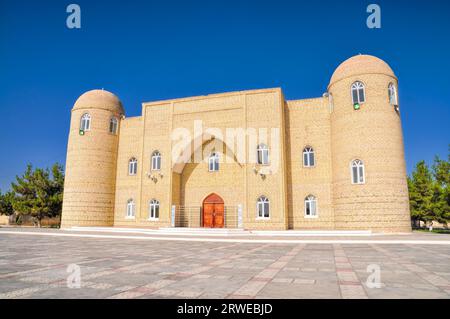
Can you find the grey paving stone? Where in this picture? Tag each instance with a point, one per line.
(36, 267)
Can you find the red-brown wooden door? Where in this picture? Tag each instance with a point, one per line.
(213, 212)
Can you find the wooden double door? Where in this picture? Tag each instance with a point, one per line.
(213, 212)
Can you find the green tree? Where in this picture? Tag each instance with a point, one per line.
(39, 192)
(441, 192)
(6, 203)
(421, 193)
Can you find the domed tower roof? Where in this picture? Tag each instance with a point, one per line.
(99, 99)
(361, 64)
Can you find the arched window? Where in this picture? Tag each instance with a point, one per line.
(154, 209)
(156, 161)
(131, 209)
(113, 125)
(213, 162)
(132, 166)
(357, 168)
(392, 94)
(263, 207)
(262, 153)
(358, 93)
(85, 123)
(308, 157)
(310, 206)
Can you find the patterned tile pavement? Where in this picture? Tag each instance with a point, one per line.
(37, 267)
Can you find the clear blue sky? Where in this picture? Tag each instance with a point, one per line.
(150, 50)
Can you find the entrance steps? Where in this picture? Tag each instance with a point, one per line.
(267, 233)
(312, 233)
(180, 231)
(205, 231)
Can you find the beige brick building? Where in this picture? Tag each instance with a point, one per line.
(334, 162)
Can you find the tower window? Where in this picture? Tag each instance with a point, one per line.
(131, 209)
(213, 162)
(262, 153)
(132, 166)
(308, 157)
(154, 209)
(85, 123)
(392, 94)
(310, 207)
(263, 208)
(357, 168)
(156, 161)
(113, 125)
(358, 93)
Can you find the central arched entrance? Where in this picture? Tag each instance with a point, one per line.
(213, 212)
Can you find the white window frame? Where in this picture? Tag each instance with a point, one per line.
(263, 203)
(358, 86)
(311, 201)
(131, 209)
(213, 162)
(393, 98)
(262, 154)
(113, 125)
(154, 208)
(132, 166)
(308, 152)
(156, 161)
(360, 172)
(85, 122)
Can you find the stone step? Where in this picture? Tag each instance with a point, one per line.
(225, 232)
(312, 233)
(164, 231)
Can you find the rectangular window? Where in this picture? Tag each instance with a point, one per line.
(311, 159)
(156, 163)
(154, 211)
(263, 210)
(266, 210)
(213, 164)
(362, 98)
(263, 156)
(313, 208)
(355, 97)
(355, 175)
(266, 157)
(113, 126)
(130, 210)
(361, 175)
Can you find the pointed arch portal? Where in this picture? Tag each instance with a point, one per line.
(213, 212)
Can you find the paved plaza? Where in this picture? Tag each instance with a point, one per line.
(40, 263)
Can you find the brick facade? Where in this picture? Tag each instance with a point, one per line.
(98, 185)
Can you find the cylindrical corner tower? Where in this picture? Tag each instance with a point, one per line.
(369, 176)
(89, 185)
